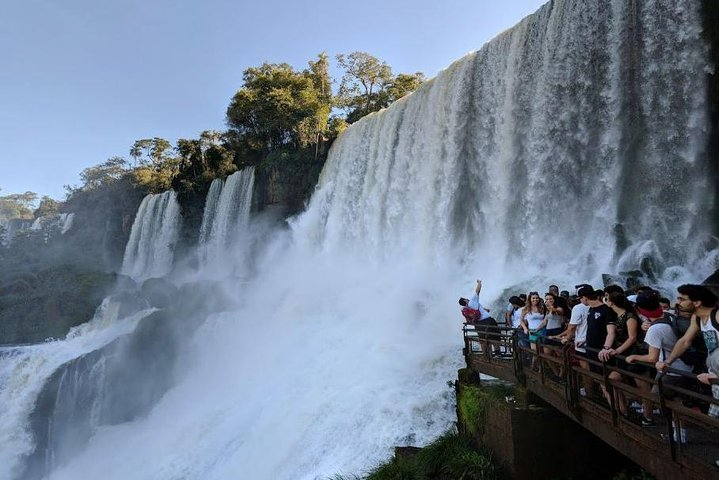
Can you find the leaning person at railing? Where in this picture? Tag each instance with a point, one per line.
(660, 338)
(628, 341)
(533, 321)
(701, 302)
(555, 322)
(479, 316)
(577, 329)
(712, 378)
(601, 330)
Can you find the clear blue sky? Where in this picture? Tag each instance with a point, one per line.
(81, 80)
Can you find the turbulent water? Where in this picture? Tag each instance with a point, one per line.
(569, 146)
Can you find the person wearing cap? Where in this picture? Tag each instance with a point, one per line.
(660, 338)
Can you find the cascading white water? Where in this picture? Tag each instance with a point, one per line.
(150, 249)
(540, 154)
(585, 118)
(227, 212)
(66, 221)
(25, 370)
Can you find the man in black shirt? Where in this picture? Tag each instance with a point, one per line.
(601, 327)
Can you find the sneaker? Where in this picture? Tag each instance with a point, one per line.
(665, 438)
(583, 392)
(647, 422)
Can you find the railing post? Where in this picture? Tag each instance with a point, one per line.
(609, 388)
(668, 416)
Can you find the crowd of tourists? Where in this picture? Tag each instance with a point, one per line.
(638, 331)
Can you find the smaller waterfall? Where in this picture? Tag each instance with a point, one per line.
(227, 211)
(150, 249)
(66, 221)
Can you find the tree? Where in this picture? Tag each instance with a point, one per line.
(110, 170)
(368, 84)
(150, 151)
(402, 85)
(47, 208)
(17, 205)
(280, 107)
(201, 160)
(364, 78)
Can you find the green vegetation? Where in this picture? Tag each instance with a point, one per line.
(474, 402)
(449, 457)
(280, 121)
(35, 306)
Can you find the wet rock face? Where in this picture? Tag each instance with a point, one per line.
(160, 293)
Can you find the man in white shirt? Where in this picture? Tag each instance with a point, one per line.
(660, 338)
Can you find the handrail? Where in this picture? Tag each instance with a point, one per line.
(573, 376)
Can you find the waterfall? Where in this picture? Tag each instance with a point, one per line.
(150, 249)
(66, 222)
(585, 119)
(227, 212)
(26, 371)
(570, 145)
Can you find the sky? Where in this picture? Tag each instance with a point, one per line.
(81, 80)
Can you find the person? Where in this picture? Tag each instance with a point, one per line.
(479, 315)
(601, 327)
(577, 330)
(533, 321)
(712, 378)
(661, 339)
(601, 331)
(627, 342)
(512, 319)
(701, 302)
(554, 319)
(666, 304)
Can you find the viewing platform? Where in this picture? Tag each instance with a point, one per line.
(553, 374)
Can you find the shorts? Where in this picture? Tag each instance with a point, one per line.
(672, 380)
(635, 368)
(487, 322)
(534, 336)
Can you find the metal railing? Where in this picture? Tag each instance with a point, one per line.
(682, 429)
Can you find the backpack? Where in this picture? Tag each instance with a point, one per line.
(470, 315)
(712, 318)
(693, 356)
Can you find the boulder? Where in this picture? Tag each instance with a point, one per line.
(159, 292)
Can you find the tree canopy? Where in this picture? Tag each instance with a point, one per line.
(368, 84)
(278, 106)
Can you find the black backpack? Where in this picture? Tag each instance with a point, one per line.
(696, 354)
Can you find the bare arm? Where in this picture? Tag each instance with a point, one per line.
(650, 357)
(523, 321)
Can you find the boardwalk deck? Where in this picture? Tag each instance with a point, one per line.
(653, 448)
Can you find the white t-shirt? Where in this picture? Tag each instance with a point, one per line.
(554, 321)
(579, 318)
(474, 304)
(516, 315)
(533, 319)
(661, 336)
